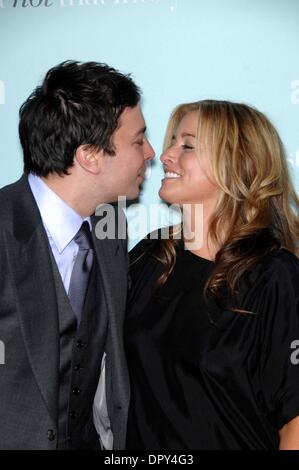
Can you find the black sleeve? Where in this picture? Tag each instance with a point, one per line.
(279, 334)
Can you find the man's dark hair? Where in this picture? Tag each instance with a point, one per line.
(77, 104)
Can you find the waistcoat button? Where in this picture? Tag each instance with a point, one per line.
(50, 434)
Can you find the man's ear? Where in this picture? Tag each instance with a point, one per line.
(89, 159)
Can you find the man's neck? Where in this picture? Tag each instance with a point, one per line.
(66, 188)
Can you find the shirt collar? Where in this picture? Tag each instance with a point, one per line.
(60, 220)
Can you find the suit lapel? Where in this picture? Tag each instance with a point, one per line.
(112, 264)
(113, 273)
(29, 255)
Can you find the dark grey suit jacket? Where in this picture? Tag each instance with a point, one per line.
(29, 326)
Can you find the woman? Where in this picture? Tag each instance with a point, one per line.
(213, 320)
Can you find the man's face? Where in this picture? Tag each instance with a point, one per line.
(123, 173)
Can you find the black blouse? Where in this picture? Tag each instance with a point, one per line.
(206, 378)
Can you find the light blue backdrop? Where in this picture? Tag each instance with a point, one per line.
(177, 50)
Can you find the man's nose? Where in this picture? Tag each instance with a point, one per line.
(149, 151)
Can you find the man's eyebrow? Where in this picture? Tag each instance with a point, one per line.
(141, 131)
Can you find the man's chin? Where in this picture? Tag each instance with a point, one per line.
(133, 195)
(130, 195)
(134, 192)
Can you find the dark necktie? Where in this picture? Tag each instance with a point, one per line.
(81, 270)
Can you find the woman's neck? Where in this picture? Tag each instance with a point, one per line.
(196, 227)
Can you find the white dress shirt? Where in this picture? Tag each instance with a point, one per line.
(61, 223)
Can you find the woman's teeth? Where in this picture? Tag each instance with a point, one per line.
(170, 174)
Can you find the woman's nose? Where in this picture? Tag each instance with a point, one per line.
(167, 156)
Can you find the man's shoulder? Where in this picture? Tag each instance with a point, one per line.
(16, 203)
(110, 224)
(9, 193)
(8, 200)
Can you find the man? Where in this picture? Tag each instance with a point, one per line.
(63, 290)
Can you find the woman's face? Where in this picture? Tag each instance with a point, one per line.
(187, 180)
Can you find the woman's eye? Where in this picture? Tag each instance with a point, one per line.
(140, 142)
(187, 147)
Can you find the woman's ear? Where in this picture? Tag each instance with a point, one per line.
(89, 158)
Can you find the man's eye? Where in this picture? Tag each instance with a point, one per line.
(139, 142)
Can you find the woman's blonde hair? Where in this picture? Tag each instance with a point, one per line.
(257, 199)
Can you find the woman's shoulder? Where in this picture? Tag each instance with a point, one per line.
(145, 247)
(142, 248)
(266, 285)
(276, 274)
(279, 262)
(145, 267)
